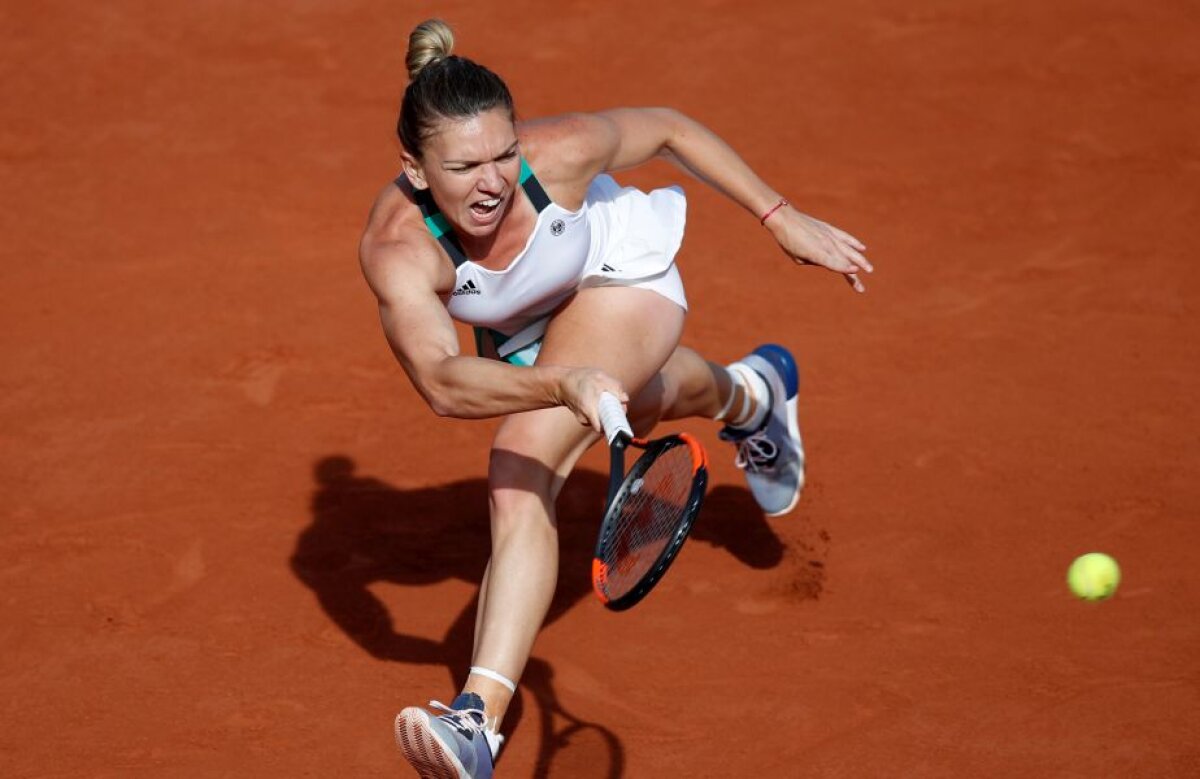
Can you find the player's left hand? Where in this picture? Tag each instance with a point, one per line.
(810, 241)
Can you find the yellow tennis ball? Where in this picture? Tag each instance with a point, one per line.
(1094, 576)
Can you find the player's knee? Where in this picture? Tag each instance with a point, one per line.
(516, 480)
(517, 512)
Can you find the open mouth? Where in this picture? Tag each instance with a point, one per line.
(484, 209)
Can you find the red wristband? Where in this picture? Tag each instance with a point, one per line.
(782, 202)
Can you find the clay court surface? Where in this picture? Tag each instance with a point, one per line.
(235, 542)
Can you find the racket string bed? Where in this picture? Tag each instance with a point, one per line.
(649, 509)
(649, 517)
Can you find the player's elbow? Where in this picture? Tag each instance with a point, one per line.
(436, 395)
(675, 127)
(432, 374)
(441, 406)
(438, 392)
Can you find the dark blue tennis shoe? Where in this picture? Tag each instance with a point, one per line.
(455, 745)
(772, 456)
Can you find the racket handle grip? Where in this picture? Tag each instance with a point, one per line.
(612, 418)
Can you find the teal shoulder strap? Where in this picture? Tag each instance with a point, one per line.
(533, 188)
(435, 222)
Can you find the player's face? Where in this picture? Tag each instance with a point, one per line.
(471, 167)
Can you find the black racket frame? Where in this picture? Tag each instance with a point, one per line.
(619, 486)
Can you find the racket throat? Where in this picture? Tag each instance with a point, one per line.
(616, 472)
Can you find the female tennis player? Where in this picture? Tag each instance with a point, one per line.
(570, 281)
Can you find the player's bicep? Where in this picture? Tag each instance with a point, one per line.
(415, 322)
(636, 135)
(419, 331)
(584, 145)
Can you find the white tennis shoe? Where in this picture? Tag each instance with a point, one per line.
(455, 745)
(772, 456)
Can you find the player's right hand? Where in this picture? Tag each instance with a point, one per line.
(579, 390)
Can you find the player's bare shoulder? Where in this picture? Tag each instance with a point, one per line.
(566, 152)
(397, 252)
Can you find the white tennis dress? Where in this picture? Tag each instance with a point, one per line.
(619, 236)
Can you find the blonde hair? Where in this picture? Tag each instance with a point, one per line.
(430, 41)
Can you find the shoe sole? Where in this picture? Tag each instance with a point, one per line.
(423, 750)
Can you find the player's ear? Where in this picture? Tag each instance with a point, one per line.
(413, 170)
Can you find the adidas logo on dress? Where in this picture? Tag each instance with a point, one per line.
(466, 289)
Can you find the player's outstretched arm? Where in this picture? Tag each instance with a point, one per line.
(406, 277)
(625, 137)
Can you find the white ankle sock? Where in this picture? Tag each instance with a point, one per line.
(755, 396)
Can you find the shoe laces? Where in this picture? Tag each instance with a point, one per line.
(466, 721)
(756, 452)
(470, 722)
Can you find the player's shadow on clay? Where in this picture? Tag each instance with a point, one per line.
(365, 531)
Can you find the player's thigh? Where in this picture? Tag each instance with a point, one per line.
(627, 332)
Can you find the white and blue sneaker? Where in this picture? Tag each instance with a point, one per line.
(454, 745)
(772, 456)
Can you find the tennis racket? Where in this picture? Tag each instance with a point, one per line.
(649, 511)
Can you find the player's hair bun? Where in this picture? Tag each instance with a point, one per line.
(443, 86)
(429, 42)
